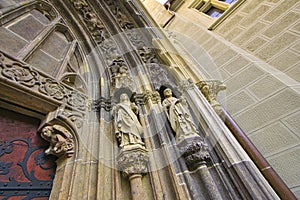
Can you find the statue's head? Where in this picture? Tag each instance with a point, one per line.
(124, 97)
(168, 92)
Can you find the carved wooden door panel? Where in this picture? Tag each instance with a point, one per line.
(25, 171)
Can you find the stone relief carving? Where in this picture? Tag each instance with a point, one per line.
(128, 129)
(210, 90)
(154, 96)
(61, 140)
(179, 116)
(147, 55)
(26, 75)
(120, 74)
(119, 14)
(94, 25)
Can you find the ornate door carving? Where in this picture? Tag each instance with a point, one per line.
(25, 171)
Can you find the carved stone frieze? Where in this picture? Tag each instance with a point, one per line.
(61, 140)
(94, 25)
(210, 90)
(23, 74)
(133, 161)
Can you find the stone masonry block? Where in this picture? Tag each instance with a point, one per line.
(293, 123)
(294, 72)
(249, 33)
(253, 17)
(229, 24)
(27, 28)
(282, 24)
(266, 86)
(234, 33)
(280, 9)
(273, 139)
(225, 57)
(272, 108)
(236, 65)
(277, 45)
(238, 102)
(288, 160)
(245, 77)
(255, 44)
(296, 47)
(10, 42)
(250, 5)
(285, 60)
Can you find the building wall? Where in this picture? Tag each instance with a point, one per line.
(255, 52)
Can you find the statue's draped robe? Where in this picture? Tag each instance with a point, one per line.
(179, 117)
(127, 126)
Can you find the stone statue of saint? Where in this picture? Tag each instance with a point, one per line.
(179, 116)
(128, 129)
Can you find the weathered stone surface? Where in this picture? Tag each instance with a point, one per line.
(280, 9)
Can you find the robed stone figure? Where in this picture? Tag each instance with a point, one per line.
(179, 116)
(127, 127)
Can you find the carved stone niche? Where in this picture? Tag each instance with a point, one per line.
(194, 151)
(59, 133)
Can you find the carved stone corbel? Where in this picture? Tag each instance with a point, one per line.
(61, 140)
(58, 129)
(210, 90)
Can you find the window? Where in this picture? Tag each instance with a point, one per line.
(215, 10)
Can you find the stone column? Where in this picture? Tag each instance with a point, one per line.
(196, 155)
(133, 163)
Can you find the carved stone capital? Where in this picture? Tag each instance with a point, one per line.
(61, 140)
(133, 161)
(194, 151)
(210, 90)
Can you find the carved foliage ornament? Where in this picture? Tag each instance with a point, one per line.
(61, 140)
(27, 76)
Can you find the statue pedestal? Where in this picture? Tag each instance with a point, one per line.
(133, 163)
(194, 151)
